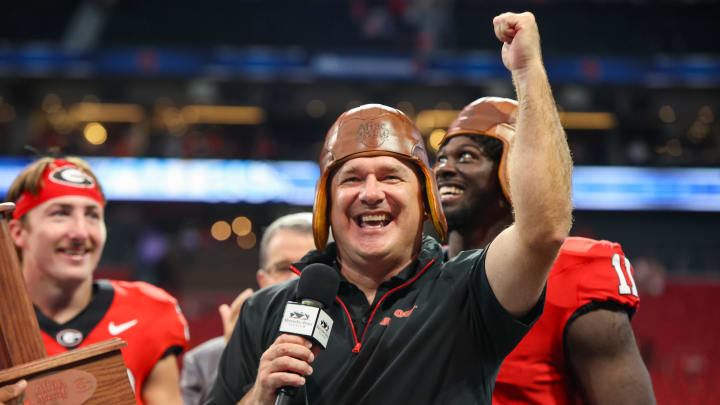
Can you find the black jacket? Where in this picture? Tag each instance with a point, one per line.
(435, 334)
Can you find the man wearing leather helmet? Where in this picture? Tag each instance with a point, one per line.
(582, 349)
(409, 325)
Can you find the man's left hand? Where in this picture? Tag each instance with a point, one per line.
(229, 313)
(521, 40)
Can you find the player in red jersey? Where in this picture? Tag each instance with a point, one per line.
(59, 229)
(582, 349)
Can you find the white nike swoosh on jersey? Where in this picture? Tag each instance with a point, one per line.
(118, 329)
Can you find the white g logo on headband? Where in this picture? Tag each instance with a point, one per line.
(71, 176)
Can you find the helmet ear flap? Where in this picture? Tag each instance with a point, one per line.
(320, 224)
(432, 209)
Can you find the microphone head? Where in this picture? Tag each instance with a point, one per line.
(318, 282)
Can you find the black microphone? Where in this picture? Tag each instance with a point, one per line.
(316, 290)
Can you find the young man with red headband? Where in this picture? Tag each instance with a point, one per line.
(59, 229)
(582, 348)
(409, 326)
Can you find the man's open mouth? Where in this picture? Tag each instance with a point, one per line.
(449, 192)
(373, 220)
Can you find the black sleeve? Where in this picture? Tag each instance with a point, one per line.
(240, 359)
(494, 324)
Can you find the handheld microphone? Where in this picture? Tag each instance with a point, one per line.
(316, 290)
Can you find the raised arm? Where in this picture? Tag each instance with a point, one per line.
(540, 173)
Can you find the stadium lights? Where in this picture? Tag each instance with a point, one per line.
(233, 115)
(427, 120)
(191, 114)
(107, 112)
(588, 120)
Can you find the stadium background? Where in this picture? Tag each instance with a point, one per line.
(238, 85)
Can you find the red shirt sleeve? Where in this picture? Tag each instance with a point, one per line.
(587, 275)
(170, 326)
(597, 271)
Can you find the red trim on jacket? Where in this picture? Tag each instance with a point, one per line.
(358, 344)
(352, 326)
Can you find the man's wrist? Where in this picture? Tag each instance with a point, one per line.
(529, 78)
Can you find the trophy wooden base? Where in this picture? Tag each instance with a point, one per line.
(92, 375)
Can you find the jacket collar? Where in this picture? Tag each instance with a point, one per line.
(429, 249)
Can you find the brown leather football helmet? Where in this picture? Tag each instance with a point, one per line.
(373, 130)
(489, 116)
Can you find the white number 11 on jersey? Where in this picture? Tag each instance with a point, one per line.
(624, 288)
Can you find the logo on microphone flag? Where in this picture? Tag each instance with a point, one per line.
(299, 315)
(310, 322)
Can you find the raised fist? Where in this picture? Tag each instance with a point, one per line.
(521, 40)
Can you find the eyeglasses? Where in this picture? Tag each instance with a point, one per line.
(279, 267)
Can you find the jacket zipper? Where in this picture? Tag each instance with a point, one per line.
(358, 343)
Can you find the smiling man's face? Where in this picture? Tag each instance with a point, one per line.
(467, 180)
(376, 209)
(62, 239)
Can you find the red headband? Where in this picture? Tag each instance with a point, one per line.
(60, 178)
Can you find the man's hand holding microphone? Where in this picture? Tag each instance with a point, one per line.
(304, 328)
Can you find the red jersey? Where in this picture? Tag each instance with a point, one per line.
(587, 275)
(144, 316)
